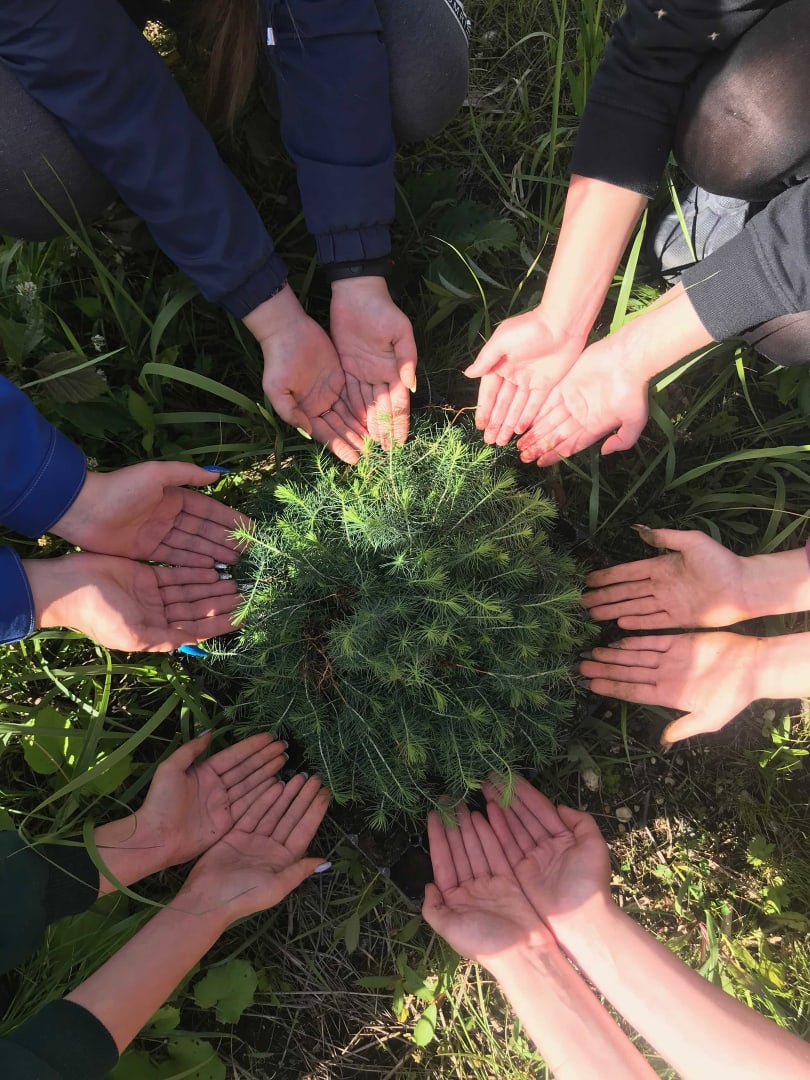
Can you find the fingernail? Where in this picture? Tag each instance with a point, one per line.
(641, 528)
(192, 650)
(217, 469)
(584, 684)
(614, 644)
(207, 731)
(413, 388)
(222, 566)
(323, 868)
(305, 434)
(586, 655)
(225, 577)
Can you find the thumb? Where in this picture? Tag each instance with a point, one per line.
(185, 756)
(433, 907)
(292, 876)
(579, 823)
(627, 435)
(181, 473)
(291, 413)
(405, 356)
(671, 539)
(694, 723)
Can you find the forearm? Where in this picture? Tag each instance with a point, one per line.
(662, 335)
(597, 224)
(126, 991)
(776, 584)
(700, 1030)
(575, 1035)
(129, 852)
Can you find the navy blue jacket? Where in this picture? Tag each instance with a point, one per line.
(88, 64)
(42, 473)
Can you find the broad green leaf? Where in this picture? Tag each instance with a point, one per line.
(425, 1028)
(69, 379)
(166, 1019)
(192, 1059)
(230, 988)
(135, 1065)
(108, 780)
(45, 754)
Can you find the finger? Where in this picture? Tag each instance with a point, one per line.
(639, 676)
(178, 544)
(644, 605)
(512, 850)
(267, 771)
(613, 594)
(685, 727)
(349, 423)
(184, 756)
(172, 576)
(648, 643)
(614, 575)
(509, 424)
(487, 395)
(406, 357)
(628, 435)
(550, 414)
(380, 415)
(461, 860)
(207, 508)
(185, 594)
(444, 869)
(356, 401)
(179, 473)
(647, 658)
(215, 532)
(530, 411)
(434, 910)
(671, 539)
(494, 853)
(520, 833)
(279, 807)
(236, 762)
(638, 693)
(339, 443)
(662, 620)
(240, 806)
(533, 809)
(202, 629)
(295, 874)
(400, 411)
(297, 811)
(472, 845)
(252, 815)
(507, 392)
(197, 610)
(488, 358)
(308, 822)
(582, 825)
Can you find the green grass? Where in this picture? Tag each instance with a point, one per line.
(714, 859)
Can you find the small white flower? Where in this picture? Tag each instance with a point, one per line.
(92, 463)
(27, 290)
(99, 342)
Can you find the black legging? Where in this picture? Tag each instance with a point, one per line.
(428, 63)
(744, 132)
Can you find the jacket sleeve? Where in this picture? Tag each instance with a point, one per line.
(61, 1042)
(331, 70)
(88, 64)
(43, 472)
(761, 273)
(655, 49)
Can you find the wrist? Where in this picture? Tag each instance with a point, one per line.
(662, 335)
(360, 286)
(592, 920)
(49, 581)
(277, 312)
(379, 268)
(130, 850)
(774, 584)
(780, 666)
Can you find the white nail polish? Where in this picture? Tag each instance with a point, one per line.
(323, 868)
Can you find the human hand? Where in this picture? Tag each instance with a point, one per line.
(145, 512)
(128, 605)
(190, 805)
(476, 903)
(303, 378)
(557, 855)
(601, 393)
(711, 677)
(699, 583)
(518, 367)
(261, 859)
(374, 341)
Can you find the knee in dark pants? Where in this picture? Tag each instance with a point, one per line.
(428, 54)
(784, 341)
(38, 158)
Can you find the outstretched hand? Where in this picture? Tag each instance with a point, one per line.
(145, 512)
(261, 859)
(476, 903)
(189, 806)
(375, 344)
(556, 853)
(519, 366)
(129, 605)
(699, 583)
(710, 676)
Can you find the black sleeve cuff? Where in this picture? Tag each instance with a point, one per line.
(622, 148)
(69, 1040)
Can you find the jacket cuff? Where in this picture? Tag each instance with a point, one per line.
(51, 491)
(69, 1040)
(353, 245)
(731, 290)
(72, 883)
(258, 288)
(17, 615)
(622, 148)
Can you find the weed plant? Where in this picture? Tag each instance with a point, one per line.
(408, 621)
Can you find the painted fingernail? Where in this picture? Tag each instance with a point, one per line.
(641, 528)
(192, 650)
(222, 566)
(323, 868)
(207, 731)
(217, 469)
(586, 654)
(225, 577)
(305, 434)
(413, 388)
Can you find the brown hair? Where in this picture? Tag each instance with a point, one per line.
(230, 35)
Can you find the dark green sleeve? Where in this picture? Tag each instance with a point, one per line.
(62, 1042)
(39, 885)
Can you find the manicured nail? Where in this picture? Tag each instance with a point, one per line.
(305, 434)
(192, 650)
(225, 577)
(413, 388)
(641, 528)
(217, 469)
(323, 868)
(207, 731)
(222, 566)
(586, 654)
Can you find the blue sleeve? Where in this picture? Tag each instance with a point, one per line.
(333, 85)
(42, 473)
(87, 63)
